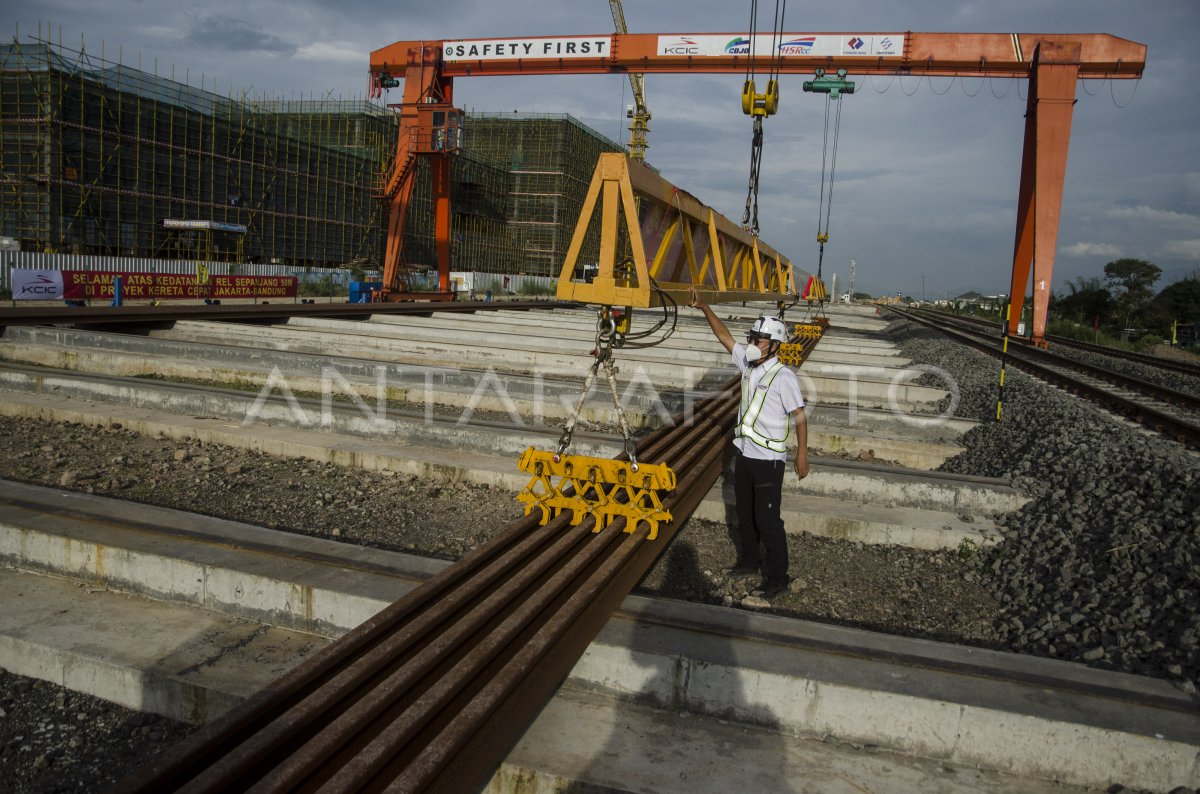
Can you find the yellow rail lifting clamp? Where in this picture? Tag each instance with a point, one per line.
(599, 487)
(603, 488)
(813, 330)
(793, 353)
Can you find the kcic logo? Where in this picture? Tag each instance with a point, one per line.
(681, 46)
(42, 286)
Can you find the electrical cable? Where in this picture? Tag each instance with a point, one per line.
(991, 87)
(886, 88)
(963, 84)
(937, 92)
(1112, 84)
(670, 312)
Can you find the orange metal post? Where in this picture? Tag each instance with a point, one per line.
(397, 217)
(439, 173)
(424, 82)
(1048, 114)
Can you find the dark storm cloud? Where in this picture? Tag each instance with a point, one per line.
(220, 32)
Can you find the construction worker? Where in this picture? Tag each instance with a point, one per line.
(770, 393)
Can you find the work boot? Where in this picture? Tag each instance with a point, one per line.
(771, 588)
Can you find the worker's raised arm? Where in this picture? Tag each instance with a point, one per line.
(714, 322)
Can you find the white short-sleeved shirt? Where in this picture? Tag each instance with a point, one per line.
(783, 397)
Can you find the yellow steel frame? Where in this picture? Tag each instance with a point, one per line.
(814, 290)
(689, 244)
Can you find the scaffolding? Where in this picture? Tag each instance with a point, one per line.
(101, 158)
(95, 156)
(546, 162)
(482, 239)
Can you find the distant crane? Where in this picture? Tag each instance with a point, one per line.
(640, 114)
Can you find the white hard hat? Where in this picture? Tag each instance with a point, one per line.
(769, 327)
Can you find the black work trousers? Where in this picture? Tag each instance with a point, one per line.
(757, 489)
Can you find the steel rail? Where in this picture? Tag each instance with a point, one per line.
(1139, 358)
(863, 647)
(1153, 390)
(1160, 421)
(358, 714)
(432, 693)
(121, 315)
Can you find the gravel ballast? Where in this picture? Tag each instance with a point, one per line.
(1101, 567)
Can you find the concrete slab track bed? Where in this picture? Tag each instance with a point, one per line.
(726, 683)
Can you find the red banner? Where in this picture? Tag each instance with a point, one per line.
(98, 285)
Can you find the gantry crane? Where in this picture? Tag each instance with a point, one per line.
(639, 127)
(1052, 63)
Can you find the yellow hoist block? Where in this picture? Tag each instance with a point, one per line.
(599, 487)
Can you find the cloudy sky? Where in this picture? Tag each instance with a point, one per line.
(925, 198)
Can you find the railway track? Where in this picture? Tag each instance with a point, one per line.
(434, 691)
(1173, 413)
(810, 647)
(1155, 362)
(430, 693)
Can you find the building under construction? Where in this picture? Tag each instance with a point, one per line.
(516, 191)
(101, 158)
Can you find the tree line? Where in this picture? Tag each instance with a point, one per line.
(1124, 304)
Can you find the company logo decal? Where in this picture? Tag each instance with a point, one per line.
(40, 286)
(855, 43)
(738, 46)
(682, 45)
(800, 46)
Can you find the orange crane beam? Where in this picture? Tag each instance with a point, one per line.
(1051, 62)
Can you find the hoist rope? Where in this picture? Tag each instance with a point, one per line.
(777, 39)
(750, 37)
(825, 205)
(750, 215)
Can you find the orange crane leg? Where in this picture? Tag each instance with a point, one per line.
(1048, 113)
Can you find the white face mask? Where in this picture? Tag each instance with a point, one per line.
(753, 353)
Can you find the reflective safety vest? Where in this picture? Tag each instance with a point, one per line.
(751, 408)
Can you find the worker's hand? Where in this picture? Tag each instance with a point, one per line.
(696, 302)
(802, 466)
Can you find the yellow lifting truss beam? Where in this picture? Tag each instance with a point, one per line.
(670, 237)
